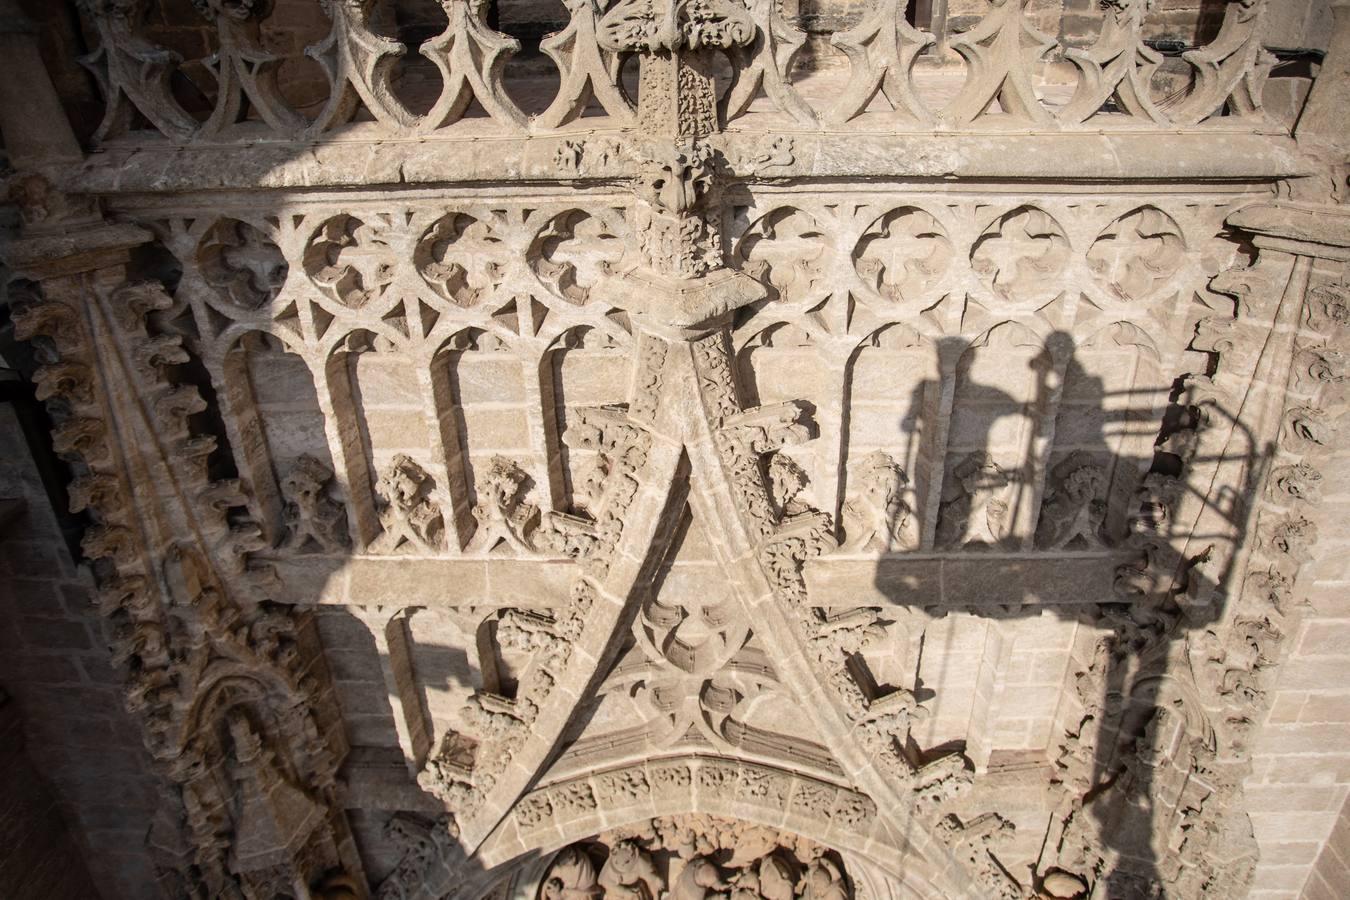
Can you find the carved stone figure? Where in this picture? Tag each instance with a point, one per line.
(310, 513)
(824, 881)
(786, 481)
(677, 226)
(629, 874)
(572, 877)
(1054, 309)
(699, 880)
(503, 515)
(977, 512)
(1073, 510)
(877, 517)
(410, 515)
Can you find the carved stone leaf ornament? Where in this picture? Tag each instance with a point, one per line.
(575, 251)
(881, 50)
(349, 260)
(133, 72)
(234, 725)
(470, 57)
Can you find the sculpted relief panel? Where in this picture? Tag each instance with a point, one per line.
(696, 857)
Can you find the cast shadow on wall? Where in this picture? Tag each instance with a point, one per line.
(1133, 772)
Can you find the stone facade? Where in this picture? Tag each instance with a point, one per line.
(695, 449)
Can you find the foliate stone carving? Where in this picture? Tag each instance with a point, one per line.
(975, 843)
(424, 844)
(133, 72)
(1329, 307)
(676, 38)
(1296, 482)
(1074, 507)
(1156, 498)
(244, 71)
(643, 26)
(881, 50)
(350, 261)
(1139, 254)
(975, 509)
(358, 64)
(786, 249)
(747, 436)
(587, 70)
(411, 512)
(786, 482)
(902, 254)
(310, 514)
(574, 251)
(1002, 52)
(213, 669)
(767, 63)
(878, 518)
(1117, 68)
(502, 512)
(1022, 253)
(677, 221)
(1231, 70)
(471, 57)
(621, 445)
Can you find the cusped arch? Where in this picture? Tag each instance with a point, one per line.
(583, 366)
(778, 361)
(264, 377)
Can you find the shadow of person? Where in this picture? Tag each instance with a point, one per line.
(1049, 466)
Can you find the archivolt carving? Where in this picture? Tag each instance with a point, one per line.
(234, 722)
(1176, 643)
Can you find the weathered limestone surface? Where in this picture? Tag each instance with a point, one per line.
(684, 450)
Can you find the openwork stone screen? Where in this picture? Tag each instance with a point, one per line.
(700, 449)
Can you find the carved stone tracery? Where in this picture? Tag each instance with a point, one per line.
(662, 321)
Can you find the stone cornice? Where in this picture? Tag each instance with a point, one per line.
(371, 162)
